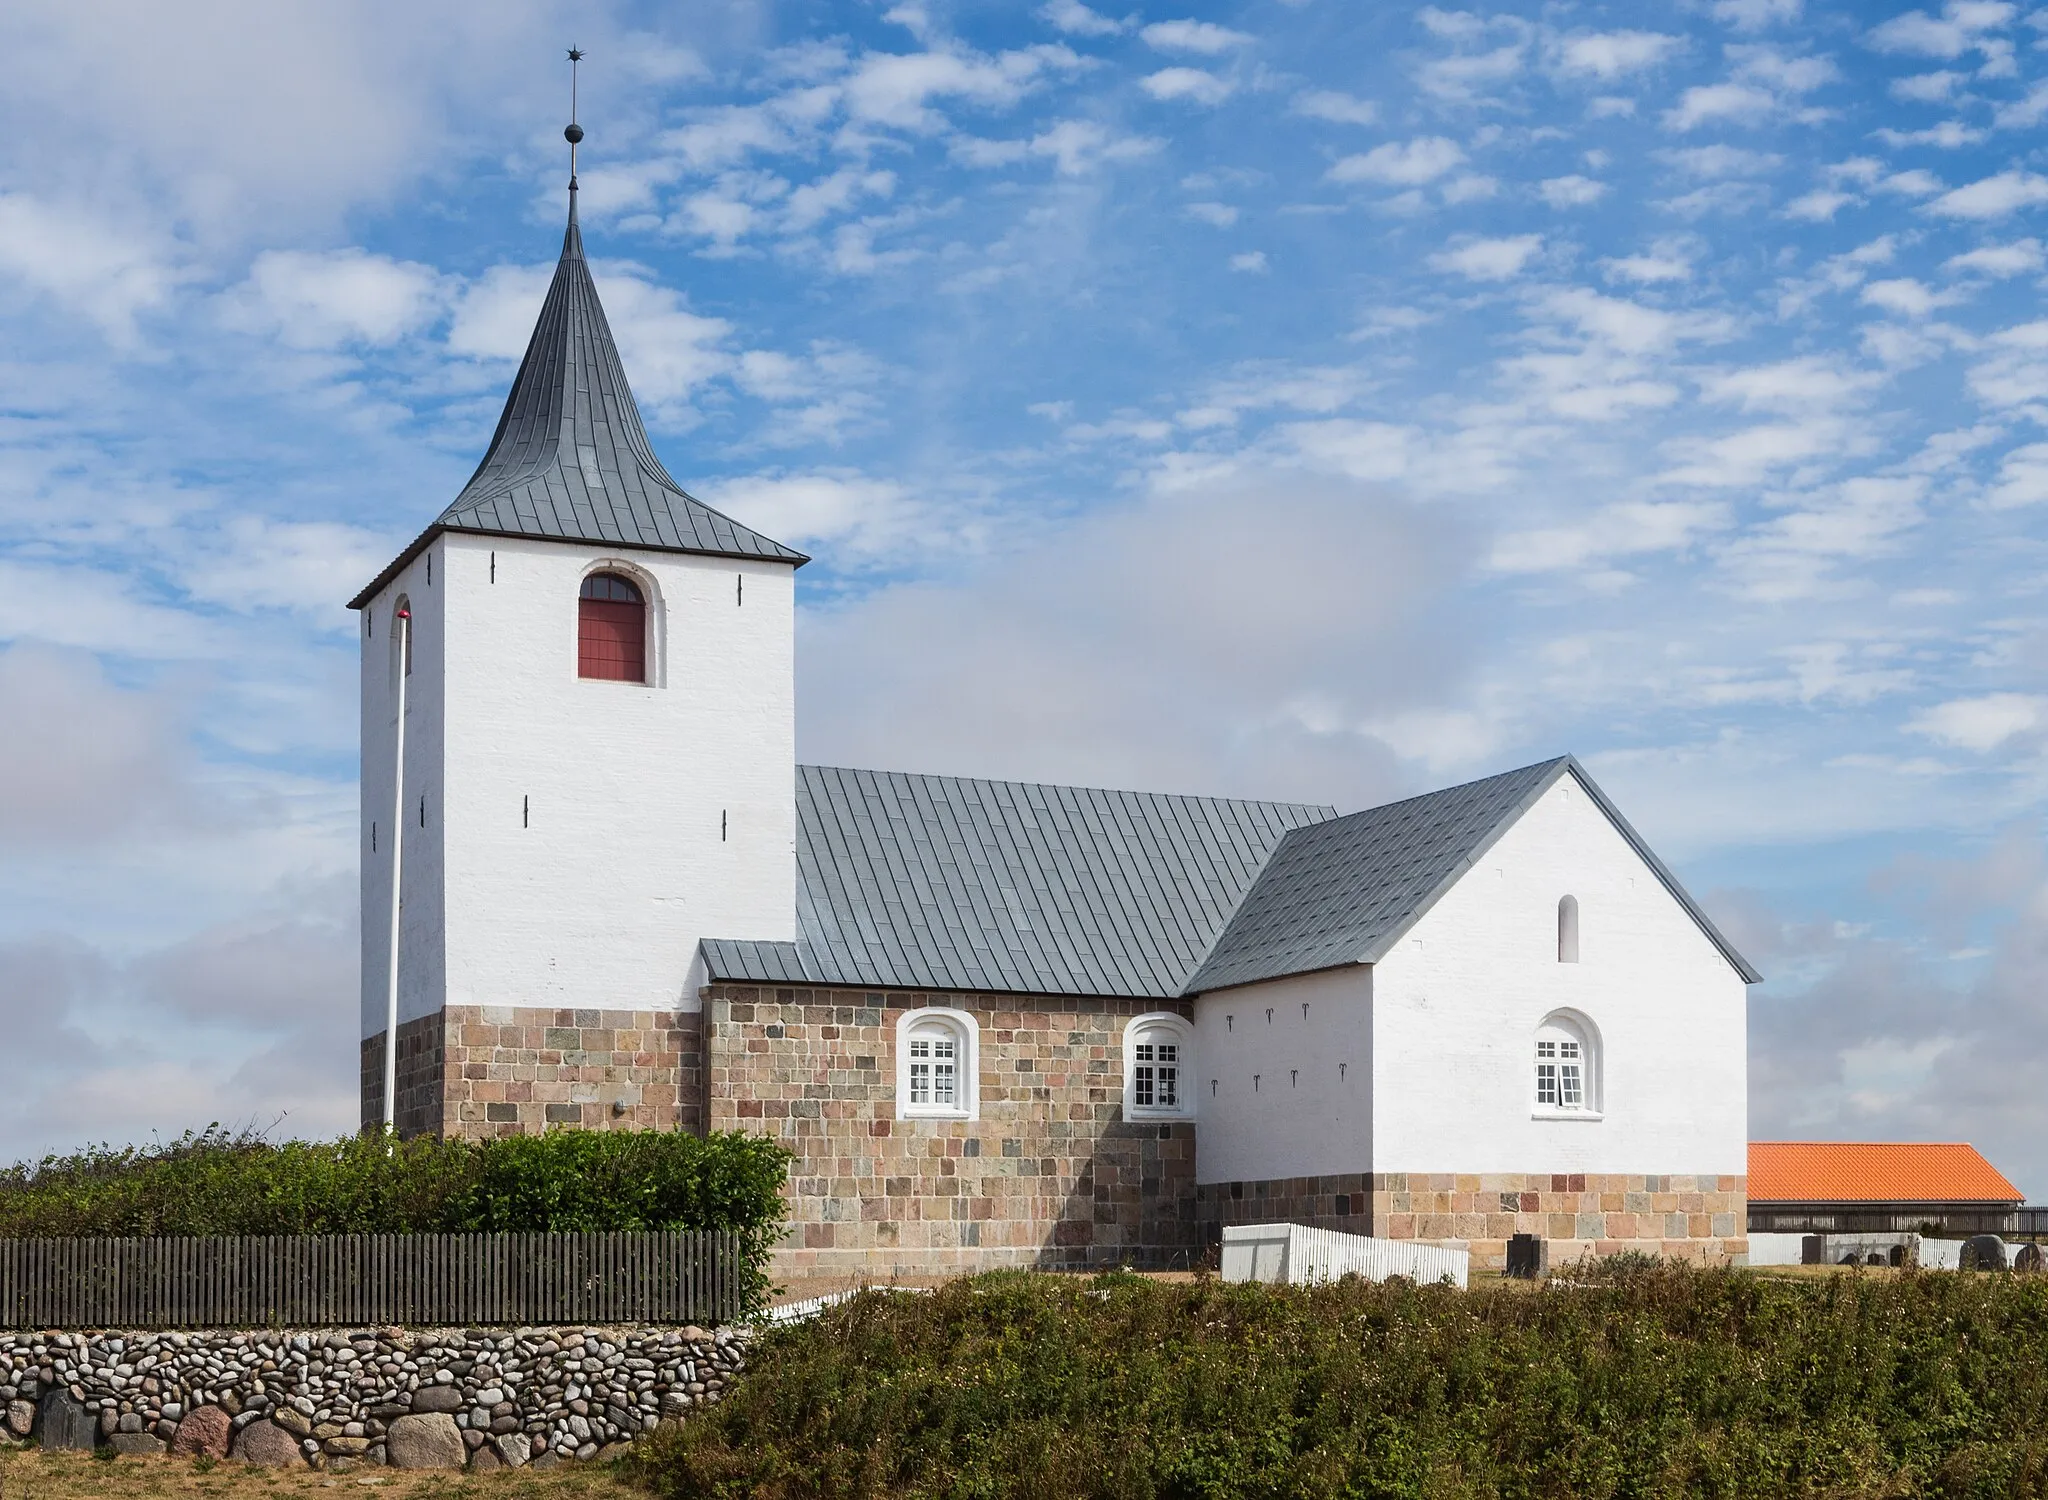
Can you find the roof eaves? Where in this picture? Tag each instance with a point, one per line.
(1736, 961)
(420, 543)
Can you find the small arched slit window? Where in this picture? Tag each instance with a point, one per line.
(611, 629)
(1159, 1064)
(1568, 930)
(401, 639)
(936, 1065)
(1567, 1076)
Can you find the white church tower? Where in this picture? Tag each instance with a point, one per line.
(578, 759)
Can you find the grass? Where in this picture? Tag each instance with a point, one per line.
(29, 1474)
(1632, 1380)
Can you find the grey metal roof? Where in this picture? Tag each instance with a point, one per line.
(570, 460)
(940, 882)
(1345, 891)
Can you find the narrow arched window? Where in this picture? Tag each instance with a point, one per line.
(611, 629)
(1568, 930)
(401, 639)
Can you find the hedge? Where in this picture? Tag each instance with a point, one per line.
(1637, 1381)
(214, 1182)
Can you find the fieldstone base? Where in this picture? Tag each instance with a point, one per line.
(1683, 1216)
(489, 1070)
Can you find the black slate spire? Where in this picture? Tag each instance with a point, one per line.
(570, 461)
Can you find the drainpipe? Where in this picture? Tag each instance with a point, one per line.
(404, 646)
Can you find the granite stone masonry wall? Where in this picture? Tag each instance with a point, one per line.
(1050, 1175)
(487, 1070)
(1690, 1217)
(487, 1399)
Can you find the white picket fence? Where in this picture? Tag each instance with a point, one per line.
(1299, 1255)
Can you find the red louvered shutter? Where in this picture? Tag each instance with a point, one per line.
(611, 631)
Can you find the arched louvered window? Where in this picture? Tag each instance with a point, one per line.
(611, 629)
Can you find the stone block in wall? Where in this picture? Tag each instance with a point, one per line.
(63, 1422)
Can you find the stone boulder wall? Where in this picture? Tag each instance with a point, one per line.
(489, 1398)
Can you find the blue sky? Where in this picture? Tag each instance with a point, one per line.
(1286, 399)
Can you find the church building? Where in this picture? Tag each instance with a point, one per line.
(998, 1023)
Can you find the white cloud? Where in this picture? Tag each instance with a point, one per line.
(1755, 15)
(1959, 28)
(894, 89)
(1704, 104)
(1806, 383)
(321, 300)
(1076, 19)
(1340, 108)
(1074, 146)
(1222, 215)
(1647, 269)
(1500, 259)
(1905, 296)
(1927, 88)
(2022, 477)
(1820, 205)
(1191, 84)
(109, 272)
(2016, 259)
(1571, 192)
(1251, 260)
(1982, 723)
(1203, 37)
(1610, 54)
(1721, 161)
(251, 562)
(1468, 76)
(861, 519)
(1401, 163)
(1993, 197)
(1917, 183)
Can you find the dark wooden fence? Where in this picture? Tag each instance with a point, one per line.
(311, 1281)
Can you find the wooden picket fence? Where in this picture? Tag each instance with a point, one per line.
(359, 1280)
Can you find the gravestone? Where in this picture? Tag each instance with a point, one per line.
(1525, 1256)
(64, 1422)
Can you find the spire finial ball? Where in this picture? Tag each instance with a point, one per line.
(573, 135)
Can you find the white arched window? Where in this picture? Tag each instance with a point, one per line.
(1159, 1067)
(1568, 930)
(937, 1065)
(1567, 1066)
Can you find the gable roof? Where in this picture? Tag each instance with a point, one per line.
(1874, 1172)
(570, 461)
(942, 882)
(1345, 891)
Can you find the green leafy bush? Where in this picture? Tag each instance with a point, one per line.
(1636, 1380)
(217, 1182)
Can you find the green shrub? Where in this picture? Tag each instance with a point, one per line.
(1635, 1381)
(217, 1182)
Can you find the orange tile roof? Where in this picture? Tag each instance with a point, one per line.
(1874, 1172)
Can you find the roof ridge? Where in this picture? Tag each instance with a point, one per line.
(1072, 786)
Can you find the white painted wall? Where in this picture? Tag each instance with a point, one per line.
(1309, 1113)
(598, 895)
(1456, 1003)
(1438, 1036)
(422, 974)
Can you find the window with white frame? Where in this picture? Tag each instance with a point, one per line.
(1566, 1078)
(1158, 1066)
(936, 1065)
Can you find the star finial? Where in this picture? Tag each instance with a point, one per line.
(574, 134)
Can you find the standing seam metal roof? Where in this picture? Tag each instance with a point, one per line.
(938, 882)
(1345, 891)
(948, 883)
(570, 460)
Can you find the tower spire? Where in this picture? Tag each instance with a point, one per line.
(574, 134)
